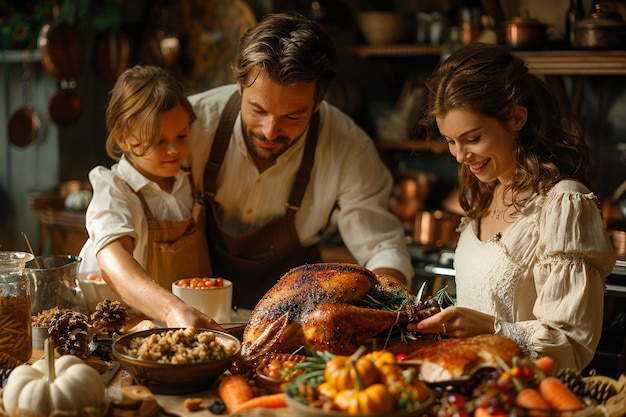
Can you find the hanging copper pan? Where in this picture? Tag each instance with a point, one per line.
(112, 54)
(65, 107)
(42, 44)
(24, 124)
(63, 55)
(62, 50)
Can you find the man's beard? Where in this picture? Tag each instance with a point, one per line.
(262, 153)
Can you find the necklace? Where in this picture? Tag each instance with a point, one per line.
(497, 211)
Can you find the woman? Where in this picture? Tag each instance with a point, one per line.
(145, 228)
(532, 256)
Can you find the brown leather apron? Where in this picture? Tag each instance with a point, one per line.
(177, 248)
(254, 261)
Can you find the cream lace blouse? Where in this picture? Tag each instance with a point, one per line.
(542, 277)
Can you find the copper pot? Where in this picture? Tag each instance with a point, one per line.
(602, 30)
(618, 239)
(523, 33)
(436, 229)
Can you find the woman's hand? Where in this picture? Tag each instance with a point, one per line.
(456, 322)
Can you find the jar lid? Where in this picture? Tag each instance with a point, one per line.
(13, 261)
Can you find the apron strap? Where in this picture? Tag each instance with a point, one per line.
(304, 172)
(144, 204)
(220, 144)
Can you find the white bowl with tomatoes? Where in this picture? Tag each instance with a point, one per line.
(95, 289)
(211, 295)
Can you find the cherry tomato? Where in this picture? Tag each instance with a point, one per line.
(183, 283)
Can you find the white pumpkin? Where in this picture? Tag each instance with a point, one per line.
(65, 384)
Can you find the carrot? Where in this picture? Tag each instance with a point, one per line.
(265, 401)
(234, 391)
(481, 412)
(531, 399)
(546, 364)
(558, 395)
(484, 412)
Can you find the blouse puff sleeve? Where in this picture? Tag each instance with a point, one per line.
(573, 257)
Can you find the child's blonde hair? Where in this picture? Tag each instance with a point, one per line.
(137, 100)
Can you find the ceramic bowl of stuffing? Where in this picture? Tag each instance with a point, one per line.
(176, 360)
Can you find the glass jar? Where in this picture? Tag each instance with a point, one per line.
(15, 316)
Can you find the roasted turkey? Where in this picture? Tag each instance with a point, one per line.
(453, 359)
(332, 307)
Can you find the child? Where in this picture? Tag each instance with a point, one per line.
(145, 228)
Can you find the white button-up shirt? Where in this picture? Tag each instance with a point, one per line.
(347, 172)
(116, 211)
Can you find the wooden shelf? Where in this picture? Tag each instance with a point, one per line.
(406, 50)
(411, 145)
(18, 56)
(540, 62)
(575, 62)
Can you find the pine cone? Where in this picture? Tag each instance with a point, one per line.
(600, 388)
(69, 333)
(573, 380)
(110, 316)
(7, 364)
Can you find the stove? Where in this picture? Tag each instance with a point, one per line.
(434, 267)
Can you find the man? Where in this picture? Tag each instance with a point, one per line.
(282, 159)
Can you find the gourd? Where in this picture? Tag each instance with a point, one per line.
(67, 384)
(374, 399)
(346, 372)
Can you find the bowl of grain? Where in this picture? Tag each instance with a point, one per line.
(176, 360)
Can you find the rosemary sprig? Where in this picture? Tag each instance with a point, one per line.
(385, 300)
(443, 298)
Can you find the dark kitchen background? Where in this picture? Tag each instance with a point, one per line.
(382, 68)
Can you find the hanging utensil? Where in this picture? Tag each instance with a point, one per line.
(65, 106)
(112, 54)
(162, 46)
(63, 55)
(62, 50)
(24, 123)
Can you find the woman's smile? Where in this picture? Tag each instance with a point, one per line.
(476, 168)
(483, 144)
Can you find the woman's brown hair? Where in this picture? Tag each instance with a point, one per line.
(489, 80)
